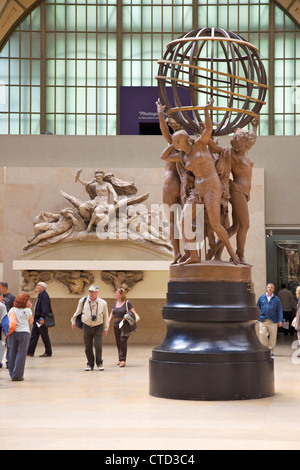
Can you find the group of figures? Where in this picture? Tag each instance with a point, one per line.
(112, 211)
(198, 171)
(75, 281)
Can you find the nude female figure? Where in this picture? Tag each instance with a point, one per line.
(103, 194)
(196, 157)
(171, 186)
(239, 187)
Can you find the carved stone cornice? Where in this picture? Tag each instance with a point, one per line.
(75, 281)
(125, 279)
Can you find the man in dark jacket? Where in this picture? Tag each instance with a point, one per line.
(42, 308)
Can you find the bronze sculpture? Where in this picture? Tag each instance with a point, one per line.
(175, 182)
(196, 157)
(236, 98)
(217, 63)
(239, 187)
(211, 350)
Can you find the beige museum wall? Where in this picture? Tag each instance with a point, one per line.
(278, 155)
(26, 191)
(33, 170)
(151, 328)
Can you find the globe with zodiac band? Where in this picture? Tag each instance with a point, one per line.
(212, 63)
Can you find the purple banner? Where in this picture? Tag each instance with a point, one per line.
(138, 114)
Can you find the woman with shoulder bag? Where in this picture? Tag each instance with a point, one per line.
(19, 340)
(120, 308)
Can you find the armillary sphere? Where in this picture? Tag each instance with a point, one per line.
(212, 63)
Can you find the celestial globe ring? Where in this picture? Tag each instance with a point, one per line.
(212, 63)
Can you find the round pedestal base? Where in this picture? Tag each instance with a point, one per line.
(211, 381)
(211, 350)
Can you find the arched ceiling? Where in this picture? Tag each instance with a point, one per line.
(12, 13)
(291, 7)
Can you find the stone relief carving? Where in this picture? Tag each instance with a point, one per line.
(75, 281)
(112, 210)
(52, 228)
(125, 279)
(31, 278)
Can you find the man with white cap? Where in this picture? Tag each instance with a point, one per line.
(94, 317)
(42, 308)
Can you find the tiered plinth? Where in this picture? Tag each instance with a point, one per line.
(211, 350)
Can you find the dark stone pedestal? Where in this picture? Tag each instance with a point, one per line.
(211, 350)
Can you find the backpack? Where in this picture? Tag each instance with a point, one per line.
(78, 320)
(9, 323)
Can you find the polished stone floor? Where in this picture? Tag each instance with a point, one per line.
(60, 406)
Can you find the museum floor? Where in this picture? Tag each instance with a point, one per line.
(60, 406)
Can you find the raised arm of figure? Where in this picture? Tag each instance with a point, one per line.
(170, 154)
(208, 128)
(254, 123)
(77, 177)
(214, 147)
(164, 128)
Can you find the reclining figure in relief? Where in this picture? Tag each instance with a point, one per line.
(110, 200)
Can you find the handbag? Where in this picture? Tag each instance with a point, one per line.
(294, 321)
(9, 323)
(137, 317)
(285, 325)
(49, 321)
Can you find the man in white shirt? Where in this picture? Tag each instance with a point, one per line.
(94, 317)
